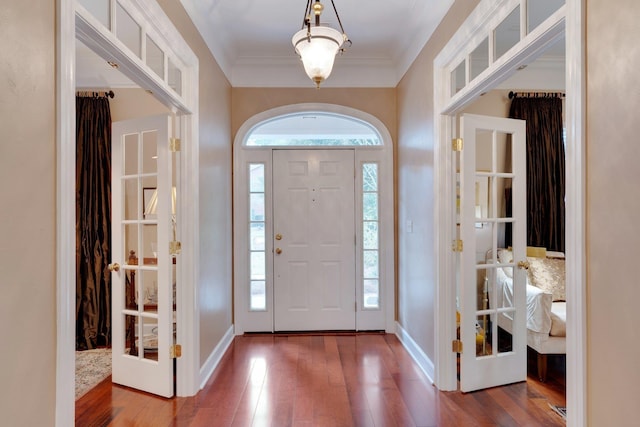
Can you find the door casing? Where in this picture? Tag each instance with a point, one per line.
(188, 375)
(445, 109)
(246, 320)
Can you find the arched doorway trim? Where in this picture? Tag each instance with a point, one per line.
(248, 158)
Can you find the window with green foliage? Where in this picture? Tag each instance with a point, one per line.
(257, 248)
(370, 236)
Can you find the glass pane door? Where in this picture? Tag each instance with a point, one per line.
(142, 225)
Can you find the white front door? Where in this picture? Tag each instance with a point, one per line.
(493, 159)
(142, 301)
(314, 240)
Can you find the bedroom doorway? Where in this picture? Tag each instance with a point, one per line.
(459, 85)
(126, 100)
(178, 59)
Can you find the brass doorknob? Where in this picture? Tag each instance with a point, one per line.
(523, 265)
(114, 267)
(278, 236)
(278, 251)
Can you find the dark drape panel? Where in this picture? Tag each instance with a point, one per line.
(93, 222)
(545, 169)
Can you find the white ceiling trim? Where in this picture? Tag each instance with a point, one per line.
(289, 72)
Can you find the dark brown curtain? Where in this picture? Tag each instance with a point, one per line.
(545, 169)
(93, 222)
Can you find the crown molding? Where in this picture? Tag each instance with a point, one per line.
(289, 72)
(348, 71)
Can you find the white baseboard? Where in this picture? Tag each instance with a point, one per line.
(416, 352)
(214, 358)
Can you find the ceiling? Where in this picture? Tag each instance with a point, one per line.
(251, 42)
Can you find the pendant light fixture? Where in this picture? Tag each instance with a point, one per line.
(317, 44)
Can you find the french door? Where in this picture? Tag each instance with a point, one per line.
(142, 267)
(492, 164)
(314, 240)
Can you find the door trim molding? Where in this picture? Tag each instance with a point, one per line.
(577, 380)
(66, 212)
(188, 313)
(243, 155)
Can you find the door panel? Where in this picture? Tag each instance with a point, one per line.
(492, 165)
(314, 260)
(142, 305)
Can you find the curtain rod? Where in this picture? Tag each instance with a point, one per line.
(96, 94)
(513, 94)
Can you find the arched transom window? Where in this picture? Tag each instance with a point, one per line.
(313, 129)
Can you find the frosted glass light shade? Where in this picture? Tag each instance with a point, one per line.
(318, 54)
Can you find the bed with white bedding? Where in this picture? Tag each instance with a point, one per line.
(546, 305)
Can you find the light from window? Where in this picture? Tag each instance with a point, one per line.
(257, 248)
(313, 129)
(370, 236)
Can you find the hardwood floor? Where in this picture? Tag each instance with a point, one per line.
(323, 380)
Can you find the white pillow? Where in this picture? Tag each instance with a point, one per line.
(558, 319)
(505, 256)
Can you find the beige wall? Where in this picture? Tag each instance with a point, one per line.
(379, 102)
(613, 203)
(28, 214)
(134, 103)
(415, 192)
(215, 275)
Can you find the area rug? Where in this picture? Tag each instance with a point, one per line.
(92, 366)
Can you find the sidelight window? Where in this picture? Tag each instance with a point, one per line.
(257, 249)
(370, 236)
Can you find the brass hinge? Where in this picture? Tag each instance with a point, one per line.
(175, 351)
(174, 247)
(174, 144)
(456, 346)
(457, 144)
(457, 246)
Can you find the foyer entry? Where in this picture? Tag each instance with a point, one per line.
(314, 240)
(313, 221)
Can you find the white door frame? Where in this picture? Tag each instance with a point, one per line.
(244, 155)
(155, 20)
(570, 22)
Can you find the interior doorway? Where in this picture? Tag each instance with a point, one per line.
(75, 20)
(457, 89)
(126, 101)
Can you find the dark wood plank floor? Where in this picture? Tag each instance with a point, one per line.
(323, 380)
